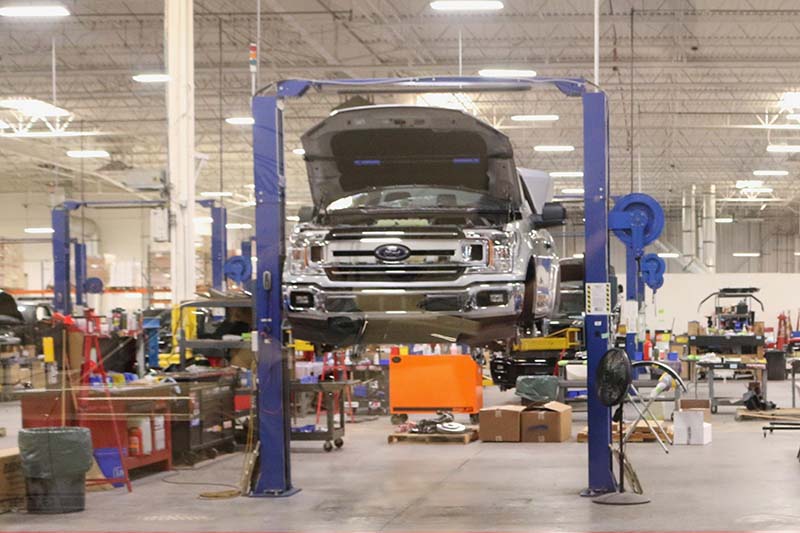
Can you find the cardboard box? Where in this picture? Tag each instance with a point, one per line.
(12, 480)
(38, 375)
(11, 374)
(500, 423)
(690, 429)
(550, 422)
(758, 328)
(690, 404)
(693, 328)
(74, 350)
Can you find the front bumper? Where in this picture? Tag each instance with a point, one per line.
(477, 313)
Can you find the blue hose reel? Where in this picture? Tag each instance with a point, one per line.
(93, 286)
(637, 220)
(238, 269)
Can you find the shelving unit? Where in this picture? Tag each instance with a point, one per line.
(221, 344)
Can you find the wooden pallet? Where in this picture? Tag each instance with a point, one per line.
(640, 434)
(435, 438)
(785, 415)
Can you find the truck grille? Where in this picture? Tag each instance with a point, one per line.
(395, 273)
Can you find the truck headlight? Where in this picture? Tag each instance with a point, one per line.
(501, 252)
(306, 256)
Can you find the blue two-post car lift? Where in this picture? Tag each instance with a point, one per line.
(62, 239)
(274, 470)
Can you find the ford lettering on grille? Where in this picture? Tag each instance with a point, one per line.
(392, 252)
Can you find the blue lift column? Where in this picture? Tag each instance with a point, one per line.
(274, 477)
(80, 273)
(596, 261)
(219, 246)
(62, 298)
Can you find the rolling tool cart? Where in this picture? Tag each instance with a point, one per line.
(431, 383)
(333, 400)
(203, 420)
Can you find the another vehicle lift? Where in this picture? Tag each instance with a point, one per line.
(273, 477)
(62, 263)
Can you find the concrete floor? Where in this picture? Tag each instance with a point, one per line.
(741, 481)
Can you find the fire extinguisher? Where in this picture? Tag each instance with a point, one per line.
(134, 442)
(647, 349)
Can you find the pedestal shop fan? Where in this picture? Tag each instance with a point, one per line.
(614, 377)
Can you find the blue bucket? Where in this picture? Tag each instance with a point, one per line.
(672, 356)
(110, 464)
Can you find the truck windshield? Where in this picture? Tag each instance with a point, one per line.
(418, 198)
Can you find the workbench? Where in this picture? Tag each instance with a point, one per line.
(710, 367)
(92, 409)
(732, 344)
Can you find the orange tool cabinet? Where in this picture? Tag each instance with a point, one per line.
(430, 383)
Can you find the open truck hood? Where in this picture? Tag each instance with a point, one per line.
(364, 148)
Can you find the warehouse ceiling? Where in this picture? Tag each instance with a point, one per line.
(696, 92)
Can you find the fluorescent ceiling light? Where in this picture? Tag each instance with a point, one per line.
(293, 218)
(572, 191)
(578, 256)
(4, 124)
(216, 194)
(203, 220)
(553, 148)
(299, 151)
(534, 118)
(250, 203)
(770, 173)
(746, 184)
(238, 225)
(793, 116)
(86, 154)
(790, 100)
(507, 73)
(669, 255)
(746, 254)
(723, 220)
(797, 253)
(49, 10)
(39, 230)
(30, 107)
(567, 174)
(153, 77)
(240, 121)
(47, 134)
(783, 148)
(757, 190)
(466, 5)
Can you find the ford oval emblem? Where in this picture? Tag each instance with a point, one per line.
(392, 252)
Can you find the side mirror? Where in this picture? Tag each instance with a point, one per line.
(553, 214)
(305, 213)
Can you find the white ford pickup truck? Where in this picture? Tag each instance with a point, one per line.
(423, 229)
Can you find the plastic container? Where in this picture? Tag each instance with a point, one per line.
(134, 442)
(672, 356)
(110, 464)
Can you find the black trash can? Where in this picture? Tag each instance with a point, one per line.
(55, 461)
(776, 365)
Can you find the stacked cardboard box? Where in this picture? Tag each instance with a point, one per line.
(549, 422)
(12, 481)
